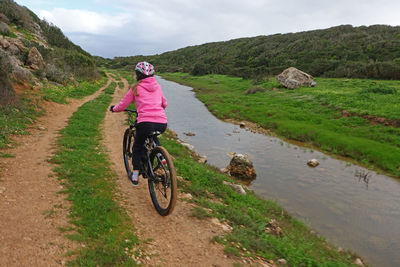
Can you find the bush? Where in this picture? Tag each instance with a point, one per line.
(54, 74)
(7, 93)
(199, 69)
(4, 29)
(4, 18)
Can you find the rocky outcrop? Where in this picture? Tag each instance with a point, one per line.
(12, 46)
(35, 59)
(22, 74)
(4, 43)
(293, 78)
(241, 167)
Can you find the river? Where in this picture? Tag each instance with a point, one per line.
(355, 214)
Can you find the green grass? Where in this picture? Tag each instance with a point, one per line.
(313, 115)
(100, 223)
(6, 155)
(16, 117)
(249, 217)
(60, 94)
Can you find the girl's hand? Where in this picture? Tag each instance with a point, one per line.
(112, 108)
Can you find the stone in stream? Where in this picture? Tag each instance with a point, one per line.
(202, 160)
(313, 163)
(241, 167)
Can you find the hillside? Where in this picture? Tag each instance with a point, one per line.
(342, 51)
(35, 52)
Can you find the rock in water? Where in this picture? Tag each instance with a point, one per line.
(293, 78)
(242, 168)
(313, 163)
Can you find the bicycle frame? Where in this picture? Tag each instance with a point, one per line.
(149, 144)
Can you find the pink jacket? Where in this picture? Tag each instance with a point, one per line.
(150, 102)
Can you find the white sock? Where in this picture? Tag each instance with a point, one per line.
(135, 175)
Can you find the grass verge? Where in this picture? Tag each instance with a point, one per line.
(60, 94)
(100, 223)
(354, 118)
(16, 117)
(260, 228)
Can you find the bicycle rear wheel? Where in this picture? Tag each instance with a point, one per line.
(129, 137)
(163, 186)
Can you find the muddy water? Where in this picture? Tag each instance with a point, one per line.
(348, 211)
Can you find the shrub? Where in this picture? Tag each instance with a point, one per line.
(54, 74)
(199, 69)
(4, 18)
(7, 93)
(4, 29)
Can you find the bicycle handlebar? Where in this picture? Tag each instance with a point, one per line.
(131, 111)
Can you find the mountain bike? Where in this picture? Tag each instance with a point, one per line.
(156, 166)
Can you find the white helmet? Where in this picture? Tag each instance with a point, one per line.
(145, 67)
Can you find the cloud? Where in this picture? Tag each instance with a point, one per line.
(132, 27)
(75, 20)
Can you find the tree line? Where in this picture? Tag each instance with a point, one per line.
(341, 51)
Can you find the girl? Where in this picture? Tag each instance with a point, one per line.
(150, 105)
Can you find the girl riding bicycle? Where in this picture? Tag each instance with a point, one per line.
(150, 104)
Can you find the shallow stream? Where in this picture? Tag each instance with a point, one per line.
(355, 214)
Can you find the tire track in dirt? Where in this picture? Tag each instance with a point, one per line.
(31, 209)
(176, 240)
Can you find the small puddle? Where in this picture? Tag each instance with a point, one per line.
(352, 207)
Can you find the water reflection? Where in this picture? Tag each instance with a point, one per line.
(361, 214)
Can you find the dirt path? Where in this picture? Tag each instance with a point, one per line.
(176, 240)
(31, 210)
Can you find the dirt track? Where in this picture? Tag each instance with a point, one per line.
(32, 210)
(178, 239)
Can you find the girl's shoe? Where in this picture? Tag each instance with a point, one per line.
(134, 179)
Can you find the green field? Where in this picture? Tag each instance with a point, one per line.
(355, 118)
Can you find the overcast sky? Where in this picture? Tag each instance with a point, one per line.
(137, 27)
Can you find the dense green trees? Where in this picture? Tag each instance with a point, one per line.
(342, 51)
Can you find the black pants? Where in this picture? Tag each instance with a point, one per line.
(143, 130)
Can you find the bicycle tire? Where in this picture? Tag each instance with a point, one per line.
(163, 186)
(127, 144)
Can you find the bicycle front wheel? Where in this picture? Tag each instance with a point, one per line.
(163, 186)
(129, 137)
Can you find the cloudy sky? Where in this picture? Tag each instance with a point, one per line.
(133, 27)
